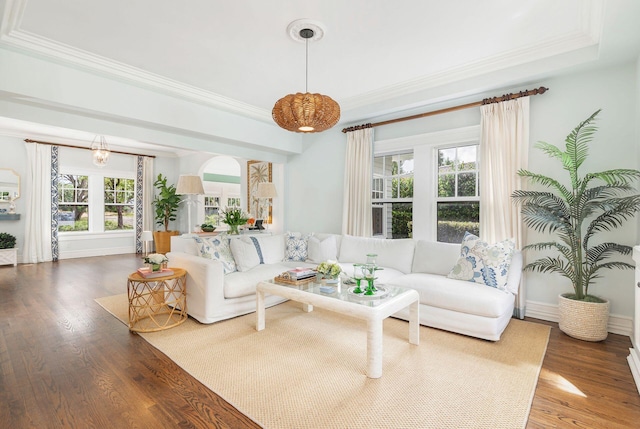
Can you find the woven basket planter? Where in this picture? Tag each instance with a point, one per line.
(583, 320)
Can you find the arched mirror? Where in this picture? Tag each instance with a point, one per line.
(9, 185)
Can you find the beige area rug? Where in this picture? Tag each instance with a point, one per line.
(307, 370)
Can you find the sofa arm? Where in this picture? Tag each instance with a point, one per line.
(205, 283)
(515, 273)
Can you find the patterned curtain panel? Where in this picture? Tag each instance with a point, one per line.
(356, 215)
(55, 168)
(139, 208)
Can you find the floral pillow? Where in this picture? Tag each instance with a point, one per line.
(484, 263)
(295, 246)
(217, 248)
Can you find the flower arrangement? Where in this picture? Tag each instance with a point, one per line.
(155, 259)
(329, 269)
(234, 217)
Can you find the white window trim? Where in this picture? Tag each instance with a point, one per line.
(96, 204)
(425, 152)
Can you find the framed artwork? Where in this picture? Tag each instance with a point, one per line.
(257, 172)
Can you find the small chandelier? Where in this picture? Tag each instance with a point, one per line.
(306, 113)
(100, 150)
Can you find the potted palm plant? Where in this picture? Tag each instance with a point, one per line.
(593, 203)
(166, 203)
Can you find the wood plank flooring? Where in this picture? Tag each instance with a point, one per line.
(67, 363)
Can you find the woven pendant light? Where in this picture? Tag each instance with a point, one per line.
(306, 113)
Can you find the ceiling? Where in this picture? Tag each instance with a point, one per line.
(376, 57)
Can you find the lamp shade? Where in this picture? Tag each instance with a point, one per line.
(189, 184)
(266, 190)
(146, 236)
(306, 113)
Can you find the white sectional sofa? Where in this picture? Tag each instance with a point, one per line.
(460, 306)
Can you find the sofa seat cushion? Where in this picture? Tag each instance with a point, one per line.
(458, 295)
(243, 283)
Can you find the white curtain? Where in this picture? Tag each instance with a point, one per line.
(504, 150)
(37, 242)
(356, 212)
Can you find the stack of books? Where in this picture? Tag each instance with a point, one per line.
(148, 274)
(301, 273)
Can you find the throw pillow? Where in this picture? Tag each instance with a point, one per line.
(269, 247)
(320, 251)
(482, 262)
(245, 254)
(217, 248)
(295, 246)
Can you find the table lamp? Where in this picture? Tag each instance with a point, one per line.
(189, 185)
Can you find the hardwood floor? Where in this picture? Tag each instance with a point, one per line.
(65, 362)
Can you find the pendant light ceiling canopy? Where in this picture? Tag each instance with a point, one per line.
(306, 113)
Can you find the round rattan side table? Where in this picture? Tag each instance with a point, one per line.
(157, 303)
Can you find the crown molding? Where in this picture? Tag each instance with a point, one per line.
(11, 35)
(588, 35)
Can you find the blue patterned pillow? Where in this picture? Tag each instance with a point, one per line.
(295, 246)
(217, 248)
(483, 263)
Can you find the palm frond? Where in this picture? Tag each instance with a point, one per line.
(551, 265)
(577, 141)
(546, 181)
(616, 177)
(617, 211)
(605, 250)
(536, 198)
(544, 219)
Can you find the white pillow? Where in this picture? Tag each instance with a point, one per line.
(484, 263)
(245, 254)
(295, 246)
(217, 248)
(320, 251)
(270, 248)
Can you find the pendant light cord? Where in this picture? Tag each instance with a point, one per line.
(306, 68)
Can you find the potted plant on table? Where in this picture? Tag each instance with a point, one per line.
(234, 217)
(594, 203)
(166, 203)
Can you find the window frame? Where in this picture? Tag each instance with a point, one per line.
(96, 203)
(386, 203)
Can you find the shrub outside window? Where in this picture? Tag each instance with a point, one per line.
(458, 199)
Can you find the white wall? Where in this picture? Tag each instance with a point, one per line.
(315, 177)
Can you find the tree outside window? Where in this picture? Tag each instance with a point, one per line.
(119, 199)
(458, 200)
(73, 202)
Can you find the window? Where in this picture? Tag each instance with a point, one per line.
(73, 202)
(211, 210)
(392, 195)
(458, 200)
(119, 199)
(233, 202)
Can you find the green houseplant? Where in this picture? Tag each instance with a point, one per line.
(592, 203)
(166, 203)
(7, 241)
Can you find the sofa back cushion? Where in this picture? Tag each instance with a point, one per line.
(320, 250)
(397, 254)
(271, 247)
(434, 257)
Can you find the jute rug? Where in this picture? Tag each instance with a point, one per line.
(307, 370)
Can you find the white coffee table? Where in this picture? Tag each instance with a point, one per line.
(372, 310)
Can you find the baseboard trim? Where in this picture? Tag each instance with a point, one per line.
(96, 252)
(622, 325)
